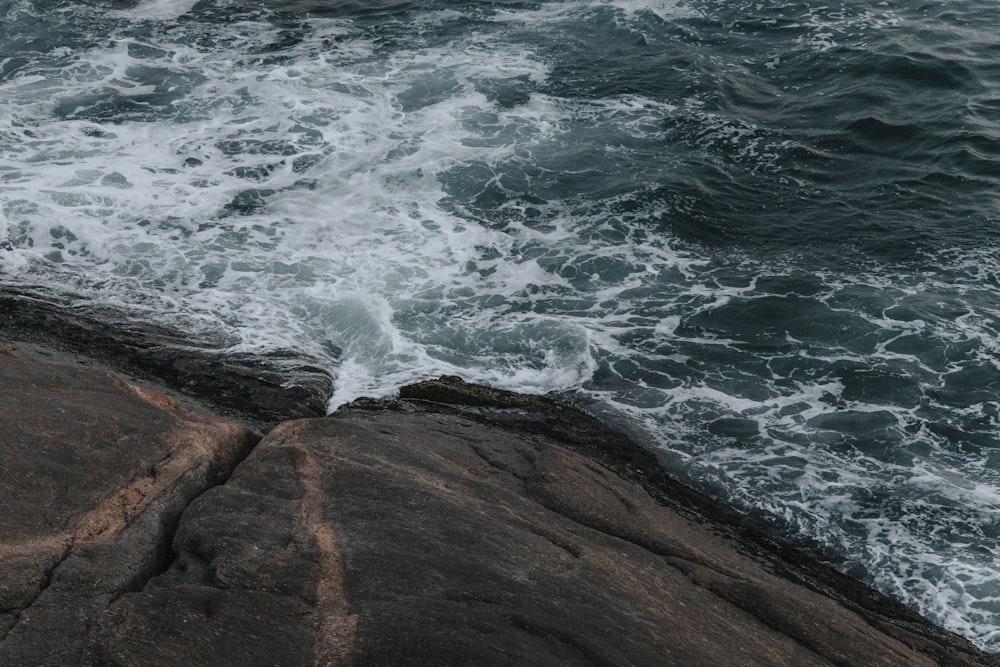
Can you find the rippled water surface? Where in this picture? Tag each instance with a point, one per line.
(760, 235)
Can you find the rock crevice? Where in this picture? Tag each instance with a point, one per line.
(95, 473)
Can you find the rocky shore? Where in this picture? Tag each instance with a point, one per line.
(164, 505)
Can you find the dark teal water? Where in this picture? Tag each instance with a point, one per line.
(762, 236)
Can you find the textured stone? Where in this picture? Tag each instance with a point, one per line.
(256, 390)
(462, 525)
(395, 534)
(94, 473)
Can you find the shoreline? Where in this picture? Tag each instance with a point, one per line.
(257, 396)
(258, 391)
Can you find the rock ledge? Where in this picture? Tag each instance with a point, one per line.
(455, 525)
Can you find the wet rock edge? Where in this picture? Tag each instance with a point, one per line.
(261, 394)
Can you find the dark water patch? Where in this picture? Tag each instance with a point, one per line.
(879, 385)
(506, 93)
(378, 9)
(853, 421)
(978, 383)
(774, 317)
(923, 74)
(248, 201)
(108, 105)
(873, 135)
(733, 427)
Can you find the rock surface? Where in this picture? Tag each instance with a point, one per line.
(458, 525)
(258, 391)
(94, 473)
(395, 534)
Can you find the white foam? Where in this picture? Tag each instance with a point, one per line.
(156, 10)
(629, 9)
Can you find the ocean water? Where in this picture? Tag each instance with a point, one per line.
(761, 236)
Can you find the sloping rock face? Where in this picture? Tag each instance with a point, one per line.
(460, 525)
(94, 474)
(260, 391)
(396, 534)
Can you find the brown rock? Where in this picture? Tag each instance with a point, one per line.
(94, 473)
(394, 535)
(461, 526)
(258, 390)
